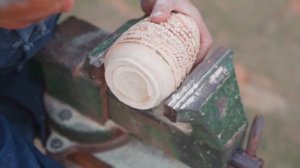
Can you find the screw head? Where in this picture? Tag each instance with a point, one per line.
(65, 114)
(56, 143)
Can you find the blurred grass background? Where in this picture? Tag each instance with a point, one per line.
(265, 37)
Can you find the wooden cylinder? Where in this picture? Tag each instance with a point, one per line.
(149, 61)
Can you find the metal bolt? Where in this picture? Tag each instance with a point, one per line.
(56, 143)
(255, 135)
(247, 158)
(65, 114)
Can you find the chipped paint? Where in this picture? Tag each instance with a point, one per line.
(218, 75)
(191, 99)
(237, 135)
(77, 121)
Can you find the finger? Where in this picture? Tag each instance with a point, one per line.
(27, 11)
(161, 11)
(147, 6)
(205, 36)
(14, 25)
(205, 41)
(57, 7)
(52, 6)
(20, 15)
(67, 5)
(33, 20)
(205, 44)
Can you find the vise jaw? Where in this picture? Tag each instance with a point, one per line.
(209, 99)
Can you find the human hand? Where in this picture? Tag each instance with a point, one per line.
(160, 10)
(16, 15)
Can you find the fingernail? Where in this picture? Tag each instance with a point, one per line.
(156, 14)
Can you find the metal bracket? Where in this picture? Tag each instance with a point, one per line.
(84, 132)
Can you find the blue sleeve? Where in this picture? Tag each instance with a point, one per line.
(16, 151)
(17, 83)
(18, 46)
(10, 55)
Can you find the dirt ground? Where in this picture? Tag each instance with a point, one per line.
(265, 37)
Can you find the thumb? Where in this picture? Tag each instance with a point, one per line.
(161, 11)
(147, 6)
(67, 5)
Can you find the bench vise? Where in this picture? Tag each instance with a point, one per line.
(202, 124)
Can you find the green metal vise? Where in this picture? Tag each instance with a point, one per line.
(202, 124)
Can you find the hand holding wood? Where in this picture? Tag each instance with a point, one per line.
(149, 61)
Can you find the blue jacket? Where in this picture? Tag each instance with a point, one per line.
(22, 113)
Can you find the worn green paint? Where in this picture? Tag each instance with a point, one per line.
(223, 126)
(189, 149)
(146, 127)
(100, 49)
(78, 91)
(226, 126)
(93, 137)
